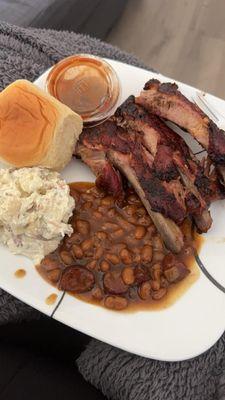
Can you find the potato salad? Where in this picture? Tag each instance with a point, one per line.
(35, 207)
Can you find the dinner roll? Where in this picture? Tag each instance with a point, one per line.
(35, 128)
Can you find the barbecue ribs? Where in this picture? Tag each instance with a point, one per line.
(173, 161)
(156, 161)
(107, 177)
(171, 182)
(122, 148)
(166, 101)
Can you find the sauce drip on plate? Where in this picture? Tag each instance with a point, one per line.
(20, 273)
(51, 299)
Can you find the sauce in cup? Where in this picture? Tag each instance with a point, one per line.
(87, 84)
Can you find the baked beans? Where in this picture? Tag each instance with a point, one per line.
(115, 256)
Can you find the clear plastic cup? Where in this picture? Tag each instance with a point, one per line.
(87, 84)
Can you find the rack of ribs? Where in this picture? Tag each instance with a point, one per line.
(173, 160)
(156, 161)
(107, 144)
(166, 101)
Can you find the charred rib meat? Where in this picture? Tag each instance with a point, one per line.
(122, 148)
(166, 101)
(165, 197)
(173, 161)
(108, 178)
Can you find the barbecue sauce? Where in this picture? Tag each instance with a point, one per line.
(51, 299)
(86, 84)
(20, 273)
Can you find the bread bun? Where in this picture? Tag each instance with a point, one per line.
(35, 128)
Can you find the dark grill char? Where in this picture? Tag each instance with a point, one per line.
(216, 147)
(163, 196)
(162, 200)
(166, 101)
(107, 177)
(172, 158)
(164, 167)
(123, 149)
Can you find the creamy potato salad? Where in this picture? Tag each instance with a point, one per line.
(35, 206)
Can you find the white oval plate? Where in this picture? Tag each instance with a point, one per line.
(184, 330)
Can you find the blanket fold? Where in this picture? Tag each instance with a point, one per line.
(121, 375)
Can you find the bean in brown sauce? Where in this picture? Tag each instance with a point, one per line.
(112, 213)
(115, 257)
(109, 226)
(75, 238)
(159, 294)
(66, 257)
(91, 264)
(97, 293)
(97, 214)
(107, 201)
(141, 274)
(117, 234)
(116, 302)
(141, 211)
(140, 232)
(126, 256)
(144, 220)
(82, 227)
(101, 235)
(156, 272)
(77, 251)
(104, 266)
(54, 275)
(87, 244)
(145, 290)
(133, 199)
(146, 254)
(157, 243)
(50, 264)
(98, 252)
(158, 256)
(155, 285)
(128, 275)
(87, 205)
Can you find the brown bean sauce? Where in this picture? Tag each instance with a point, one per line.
(115, 256)
(20, 273)
(51, 299)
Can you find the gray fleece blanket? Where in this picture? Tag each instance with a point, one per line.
(26, 53)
